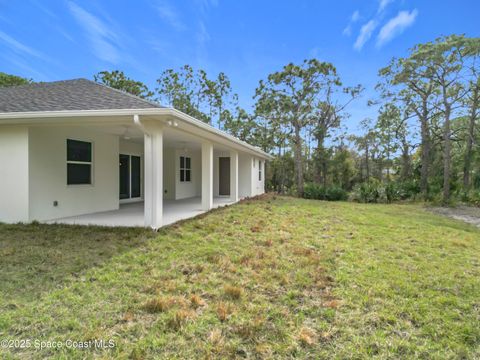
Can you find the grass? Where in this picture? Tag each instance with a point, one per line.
(269, 278)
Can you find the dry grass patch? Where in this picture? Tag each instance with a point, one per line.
(306, 336)
(179, 318)
(159, 304)
(196, 301)
(224, 310)
(233, 292)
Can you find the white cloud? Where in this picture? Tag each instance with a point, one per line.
(383, 4)
(353, 19)
(395, 26)
(365, 34)
(26, 69)
(168, 14)
(202, 36)
(103, 39)
(19, 47)
(355, 16)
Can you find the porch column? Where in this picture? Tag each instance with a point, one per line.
(253, 177)
(153, 176)
(207, 176)
(233, 175)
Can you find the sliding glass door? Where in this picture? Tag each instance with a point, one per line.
(130, 177)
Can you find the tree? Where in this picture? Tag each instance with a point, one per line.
(328, 115)
(194, 93)
(472, 103)
(241, 125)
(386, 126)
(444, 61)
(12, 80)
(407, 81)
(118, 80)
(291, 95)
(393, 135)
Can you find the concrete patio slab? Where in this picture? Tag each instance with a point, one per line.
(132, 214)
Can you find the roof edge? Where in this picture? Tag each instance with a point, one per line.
(16, 117)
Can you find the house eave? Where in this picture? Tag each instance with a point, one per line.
(36, 117)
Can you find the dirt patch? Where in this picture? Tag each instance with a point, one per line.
(467, 214)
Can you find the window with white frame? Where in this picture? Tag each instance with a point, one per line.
(79, 162)
(185, 169)
(259, 170)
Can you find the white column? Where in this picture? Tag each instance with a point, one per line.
(233, 175)
(253, 177)
(153, 160)
(207, 176)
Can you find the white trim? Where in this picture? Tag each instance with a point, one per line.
(138, 198)
(27, 117)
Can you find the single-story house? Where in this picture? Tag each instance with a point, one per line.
(80, 152)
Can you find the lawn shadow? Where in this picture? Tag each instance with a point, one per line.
(38, 258)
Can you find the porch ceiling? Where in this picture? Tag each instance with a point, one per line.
(172, 137)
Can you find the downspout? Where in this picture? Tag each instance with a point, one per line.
(137, 122)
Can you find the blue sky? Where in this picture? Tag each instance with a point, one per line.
(54, 40)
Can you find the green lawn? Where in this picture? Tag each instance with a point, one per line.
(270, 278)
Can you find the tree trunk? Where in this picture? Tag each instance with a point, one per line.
(425, 155)
(278, 171)
(367, 167)
(446, 155)
(319, 167)
(324, 168)
(405, 161)
(470, 140)
(388, 166)
(297, 149)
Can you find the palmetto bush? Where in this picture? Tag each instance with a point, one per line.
(319, 192)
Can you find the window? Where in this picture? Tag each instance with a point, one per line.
(185, 169)
(259, 170)
(79, 162)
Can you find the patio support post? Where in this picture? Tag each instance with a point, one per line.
(233, 175)
(207, 176)
(253, 175)
(153, 175)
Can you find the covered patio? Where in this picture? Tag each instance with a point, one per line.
(132, 214)
(112, 159)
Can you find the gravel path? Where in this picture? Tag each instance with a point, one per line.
(467, 214)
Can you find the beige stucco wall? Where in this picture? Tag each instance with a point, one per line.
(169, 173)
(188, 189)
(48, 173)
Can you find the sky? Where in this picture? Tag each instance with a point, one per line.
(65, 39)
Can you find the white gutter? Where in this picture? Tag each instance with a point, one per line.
(26, 117)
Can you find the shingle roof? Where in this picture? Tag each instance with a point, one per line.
(78, 94)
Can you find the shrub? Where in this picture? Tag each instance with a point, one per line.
(408, 189)
(371, 191)
(470, 197)
(314, 191)
(336, 194)
(392, 192)
(319, 192)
